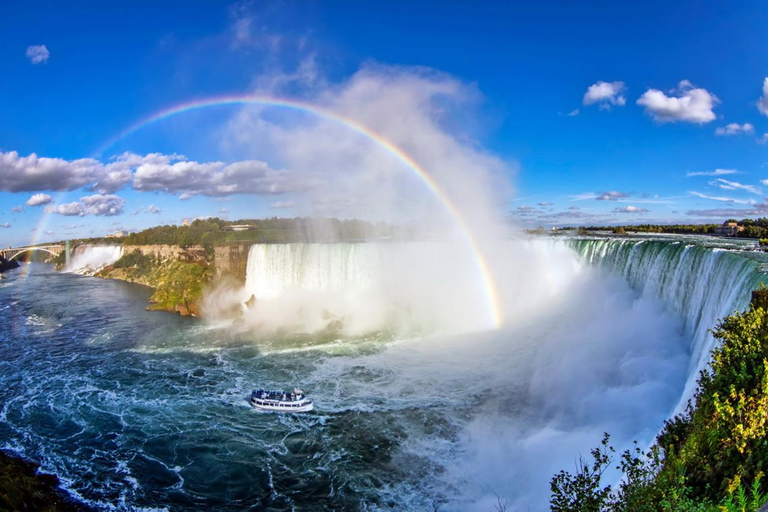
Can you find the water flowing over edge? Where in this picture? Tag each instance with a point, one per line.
(699, 284)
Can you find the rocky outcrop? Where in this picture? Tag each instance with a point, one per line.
(23, 487)
(9, 264)
(190, 254)
(231, 260)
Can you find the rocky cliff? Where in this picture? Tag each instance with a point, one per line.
(231, 260)
(179, 275)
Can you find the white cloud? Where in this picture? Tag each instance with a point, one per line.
(630, 209)
(716, 172)
(153, 172)
(98, 204)
(153, 209)
(33, 174)
(733, 185)
(39, 200)
(224, 210)
(763, 139)
(544, 204)
(735, 129)
(762, 103)
(5, 225)
(38, 54)
(282, 204)
(573, 113)
(606, 94)
(212, 178)
(611, 196)
(723, 199)
(686, 103)
(17, 209)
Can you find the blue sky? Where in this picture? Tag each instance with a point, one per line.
(495, 82)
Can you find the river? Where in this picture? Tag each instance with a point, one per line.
(138, 410)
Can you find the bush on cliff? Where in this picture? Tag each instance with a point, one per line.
(135, 259)
(714, 457)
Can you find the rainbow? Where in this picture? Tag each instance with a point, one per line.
(482, 265)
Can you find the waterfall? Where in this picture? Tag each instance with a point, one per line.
(700, 284)
(91, 258)
(362, 287)
(276, 268)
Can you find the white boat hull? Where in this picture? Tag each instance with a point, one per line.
(273, 406)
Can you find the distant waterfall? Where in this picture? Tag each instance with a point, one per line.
(93, 257)
(698, 283)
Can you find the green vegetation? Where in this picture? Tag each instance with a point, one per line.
(299, 229)
(178, 284)
(713, 458)
(22, 488)
(135, 259)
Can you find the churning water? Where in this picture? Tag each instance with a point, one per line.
(140, 410)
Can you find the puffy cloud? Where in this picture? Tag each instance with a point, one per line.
(39, 200)
(611, 196)
(762, 103)
(630, 209)
(733, 185)
(716, 172)
(735, 129)
(224, 210)
(33, 174)
(573, 113)
(606, 94)
(38, 54)
(152, 172)
(763, 139)
(17, 209)
(686, 103)
(212, 178)
(105, 205)
(5, 225)
(153, 209)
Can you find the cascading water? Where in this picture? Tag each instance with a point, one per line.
(93, 257)
(699, 284)
(363, 287)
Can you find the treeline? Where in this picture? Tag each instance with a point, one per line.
(678, 229)
(713, 457)
(298, 229)
(753, 228)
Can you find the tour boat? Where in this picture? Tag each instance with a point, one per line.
(281, 401)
